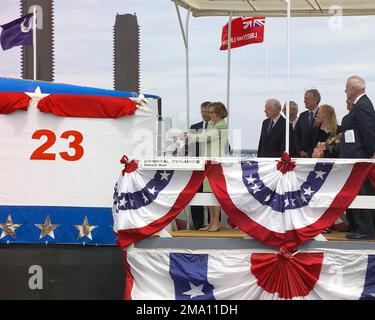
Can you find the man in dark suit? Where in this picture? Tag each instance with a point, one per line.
(304, 129)
(195, 150)
(272, 137)
(358, 141)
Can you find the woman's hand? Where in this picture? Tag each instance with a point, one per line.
(319, 150)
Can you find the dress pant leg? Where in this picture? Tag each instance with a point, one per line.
(197, 213)
(364, 218)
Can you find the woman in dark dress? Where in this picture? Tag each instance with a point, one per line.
(326, 135)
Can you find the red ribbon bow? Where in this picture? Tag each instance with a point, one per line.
(285, 164)
(128, 166)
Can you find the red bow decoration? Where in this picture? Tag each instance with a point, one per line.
(285, 164)
(128, 166)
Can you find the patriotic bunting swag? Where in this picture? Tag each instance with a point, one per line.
(279, 203)
(147, 201)
(245, 275)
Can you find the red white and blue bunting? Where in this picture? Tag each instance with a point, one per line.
(147, 201)
(279, 203)
(247, 275)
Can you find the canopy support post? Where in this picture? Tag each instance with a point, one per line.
(185, 36)
(287, 122)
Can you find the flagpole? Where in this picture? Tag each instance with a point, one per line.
(34, 41)
(287, 78)
(228, 59)
(265, 64)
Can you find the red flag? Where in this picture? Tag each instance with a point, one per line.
(244, 31)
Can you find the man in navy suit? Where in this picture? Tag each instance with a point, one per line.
(272, 137)
(358, 141)
(195, 150)
(304, 129)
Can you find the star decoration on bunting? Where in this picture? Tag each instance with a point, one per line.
(152, 190)
(47, 228)
(85, 229)
(308, 191)
(250, 180)
(164, 175)
(144, 198)
(9, 228)
(320, 174)
(36, 95)
(256, 188)
(195, 291)
(123, 202)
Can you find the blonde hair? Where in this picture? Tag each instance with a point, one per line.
(219, 108)
(329, 117)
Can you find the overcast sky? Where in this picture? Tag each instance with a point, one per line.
(322, 58)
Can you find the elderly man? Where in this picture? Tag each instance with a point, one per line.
(304, 128)
(272, 138)
(358, 141)
(293, 112)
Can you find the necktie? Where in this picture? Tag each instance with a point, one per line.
(311, 118)
(270, 127)
(205, 124)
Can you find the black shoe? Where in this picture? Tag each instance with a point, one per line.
(359, 236)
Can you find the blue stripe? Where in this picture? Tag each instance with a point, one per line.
(187, 270)
(295, 199)
(18, 85)
(369, 286)
(67, 217)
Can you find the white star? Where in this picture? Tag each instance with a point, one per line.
(144, 197)
(320, 174)
(194, 291)
(36, 95)
(308, 191)
(303, 198)
(131, 202)
(123, 202)
(152, 190)
(268, 198)
(286, 202)
(164, 175)
(293, 204)
(250, 180)
(255, 188)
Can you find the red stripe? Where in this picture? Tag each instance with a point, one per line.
(290, 239)
(12, 101)
(372, 176)
(129, 277)
(129, 236)
(87, 106)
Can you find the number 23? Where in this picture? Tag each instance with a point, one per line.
(41, 154)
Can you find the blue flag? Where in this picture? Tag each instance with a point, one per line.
(17, 33)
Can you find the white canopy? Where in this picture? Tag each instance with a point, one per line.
(277, 8)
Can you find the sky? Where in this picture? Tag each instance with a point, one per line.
(322, 57)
